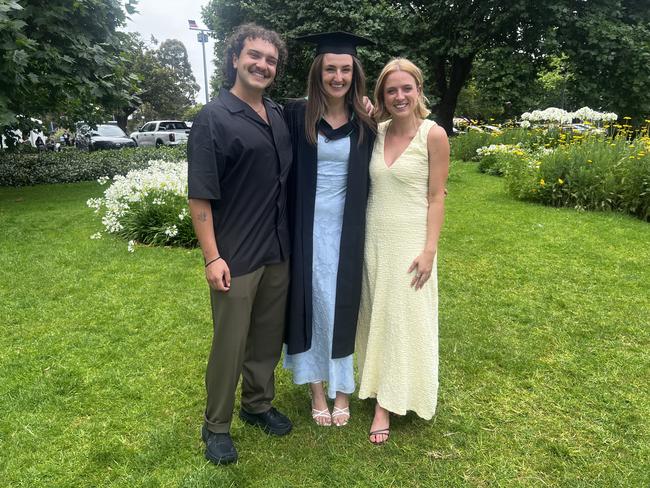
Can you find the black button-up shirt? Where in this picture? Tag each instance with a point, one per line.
(241, 164)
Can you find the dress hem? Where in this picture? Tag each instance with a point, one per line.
(307, 382)
(397, 411)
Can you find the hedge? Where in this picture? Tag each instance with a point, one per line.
(72, 165)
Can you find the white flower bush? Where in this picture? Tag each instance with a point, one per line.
(499, 149)
(147, 206)
(559, 116)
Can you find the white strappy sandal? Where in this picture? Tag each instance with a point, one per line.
(339, 412)
(322, 414)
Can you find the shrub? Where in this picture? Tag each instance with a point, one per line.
(148, 206)
(496, 158)
(592, 174)
(73, 165)
(464, 146)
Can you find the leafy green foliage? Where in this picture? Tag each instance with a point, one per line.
(149, 220)
(443, 38)
(590, 172)
(173, 54)
(61, 56)
(594, 174)
(191, 113)
(464, 146)
(164, 86)
(523, 54)
(608, 50)
(497, 164)
(73, 165)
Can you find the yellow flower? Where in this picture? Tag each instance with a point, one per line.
(627, 118)
(542, 182)
(560, 181)
(589, 161)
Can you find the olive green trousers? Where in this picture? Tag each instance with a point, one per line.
(248, 332)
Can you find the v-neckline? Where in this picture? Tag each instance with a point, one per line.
(383, 149)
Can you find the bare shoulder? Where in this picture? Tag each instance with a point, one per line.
(437, 140)
(436, 135)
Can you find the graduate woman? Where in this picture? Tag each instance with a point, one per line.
(332, 137)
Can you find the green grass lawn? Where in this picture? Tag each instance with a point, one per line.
(544, 358)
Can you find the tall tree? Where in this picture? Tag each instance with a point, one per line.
(606, 43)
(450, 35)
(172, 54)
(56, 54)
(160, 90)
(442, 36)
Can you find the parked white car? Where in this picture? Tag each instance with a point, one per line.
(161, 133)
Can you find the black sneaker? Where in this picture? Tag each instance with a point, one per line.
(219, 448)
(271, 421)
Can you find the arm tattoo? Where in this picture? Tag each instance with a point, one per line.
(203, 216)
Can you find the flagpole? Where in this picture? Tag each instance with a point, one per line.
(202, 38)
(205, 72)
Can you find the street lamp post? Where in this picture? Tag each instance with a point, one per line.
(202, 37)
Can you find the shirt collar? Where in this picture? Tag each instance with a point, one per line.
(231, 102)
(235, 104)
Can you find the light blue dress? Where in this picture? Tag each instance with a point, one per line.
(316, 364)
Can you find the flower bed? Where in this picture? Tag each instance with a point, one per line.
(147, 206)
(590, 175)
(559, 166)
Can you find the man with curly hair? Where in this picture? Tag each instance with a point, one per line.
(239, 154)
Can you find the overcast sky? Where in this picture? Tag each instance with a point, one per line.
(167, 19)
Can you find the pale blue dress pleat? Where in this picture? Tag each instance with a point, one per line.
(316, 364)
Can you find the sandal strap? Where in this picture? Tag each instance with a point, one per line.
(340, 411)
(380, 432)
(320, 413)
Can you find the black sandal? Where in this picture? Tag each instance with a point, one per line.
(385, 432)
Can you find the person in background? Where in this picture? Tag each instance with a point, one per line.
(332, 137)
(397, 335)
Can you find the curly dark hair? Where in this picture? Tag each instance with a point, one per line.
(235, 44)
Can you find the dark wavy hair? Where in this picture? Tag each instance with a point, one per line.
(235, 44)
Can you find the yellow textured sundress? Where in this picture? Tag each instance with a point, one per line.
(397, 333)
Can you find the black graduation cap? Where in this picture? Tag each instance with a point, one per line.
(336, 42)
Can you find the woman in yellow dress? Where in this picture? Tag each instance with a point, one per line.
(397, 334)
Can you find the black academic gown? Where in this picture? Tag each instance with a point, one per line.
(301, 201)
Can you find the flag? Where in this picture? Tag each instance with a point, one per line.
(193, 24)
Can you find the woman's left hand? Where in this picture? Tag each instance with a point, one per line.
(423, 266)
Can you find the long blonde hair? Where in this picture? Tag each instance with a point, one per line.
(317, 99)
(399, 64)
